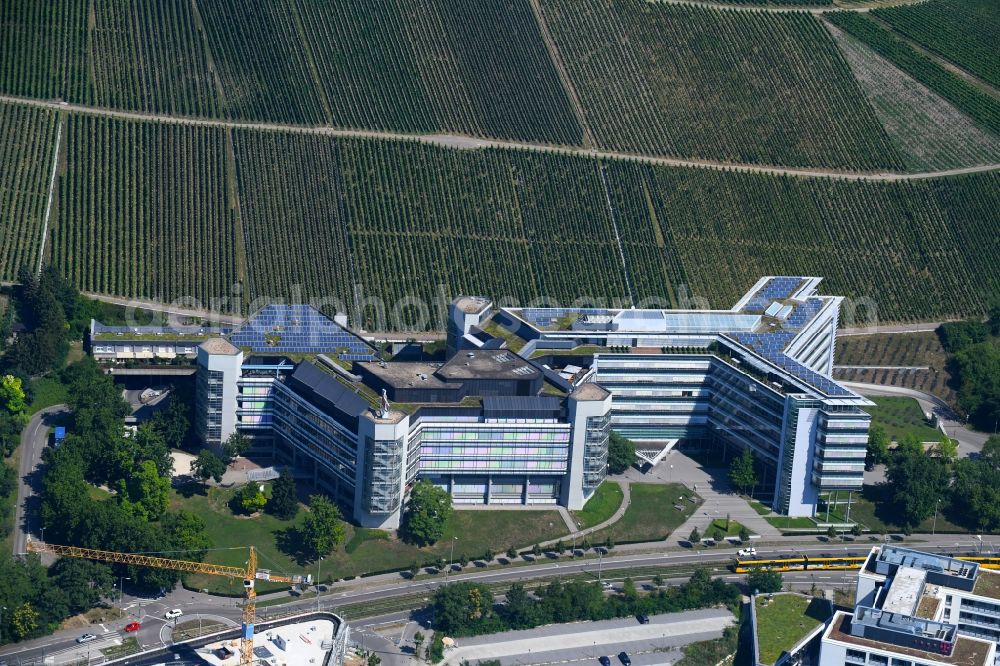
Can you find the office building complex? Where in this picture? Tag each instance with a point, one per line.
(756, 376)
(520, 409)
(485, 424)
(917, 609)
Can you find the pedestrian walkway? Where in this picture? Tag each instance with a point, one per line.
(615, 517)
(713, 487)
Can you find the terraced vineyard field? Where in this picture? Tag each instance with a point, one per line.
(262, 61)
(403, 219)
(966, 32)
(438, 65)
(926, 129)
(978, 104)
(143, 210)
(27, 139)
(149, 56)
(917, 250)
(43, 49)
(914, 350)
(737, 86)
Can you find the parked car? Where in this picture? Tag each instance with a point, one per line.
(643, 618)
(624, 658)
(132, 626)
(86, 638)
(171, 614)
(604, 661)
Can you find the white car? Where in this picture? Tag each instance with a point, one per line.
(747, 552)
(171, 614)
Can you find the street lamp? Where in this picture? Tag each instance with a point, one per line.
(2, 609)
(319, 565)
(451, 561)
(121, 595)
(934, 526)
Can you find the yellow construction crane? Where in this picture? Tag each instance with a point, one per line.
(250, 574)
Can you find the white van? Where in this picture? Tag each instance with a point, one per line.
(747, 552)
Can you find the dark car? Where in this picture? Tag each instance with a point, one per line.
(604, 661)
(643, 618)
(624, 658)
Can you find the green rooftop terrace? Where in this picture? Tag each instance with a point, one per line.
(785, 619)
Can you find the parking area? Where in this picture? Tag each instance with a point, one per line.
(651, 644)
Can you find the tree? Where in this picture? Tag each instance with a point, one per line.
(916, 483)
(145, 493)
(831, 533)
(764, 581)
(186, 533)
(235, 445)
(251, 498)
(284, 502)
(536, 550)
(958, 335)
(323, 528)
(741, 471)
(658, 580)
(414, 569)
(173, 423)
(25, 621)
(878, 446)
(458, 608)
(12, 396)
(979, 383)
(621, 453)
(435, 651)
(629, 590)
(427, 511)
(856, 529)
(744, 534)
(373, 659)
(695, 536)
(511, 553)
(208, 466)
(975, 492)
(717, 535)
(947, 449)
(418, 640)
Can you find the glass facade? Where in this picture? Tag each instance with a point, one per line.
(595, 452)
(503, 448)
(383, 475)
(208, 398)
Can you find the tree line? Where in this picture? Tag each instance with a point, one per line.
(469, 609)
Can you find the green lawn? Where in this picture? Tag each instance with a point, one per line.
(472, 531)
(760, 508)
(601, 506)
(787, 522)
(732, 530)
(45, 392)
(651, 516)
(873, 510)
(783, 620)
(901, 416)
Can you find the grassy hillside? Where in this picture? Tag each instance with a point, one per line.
(402, 219)
(27, 140)
(716, 84)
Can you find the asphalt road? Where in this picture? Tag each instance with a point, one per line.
(62, 646)
(34, 439)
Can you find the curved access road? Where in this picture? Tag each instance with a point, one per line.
(469, 142)
(34, 439)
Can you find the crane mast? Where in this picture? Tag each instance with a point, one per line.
(249, 575)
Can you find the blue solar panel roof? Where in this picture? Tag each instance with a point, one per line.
(299, 329)
(772, 347)
(775, 289)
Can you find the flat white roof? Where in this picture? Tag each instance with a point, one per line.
(904, 591)
(303, 644)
